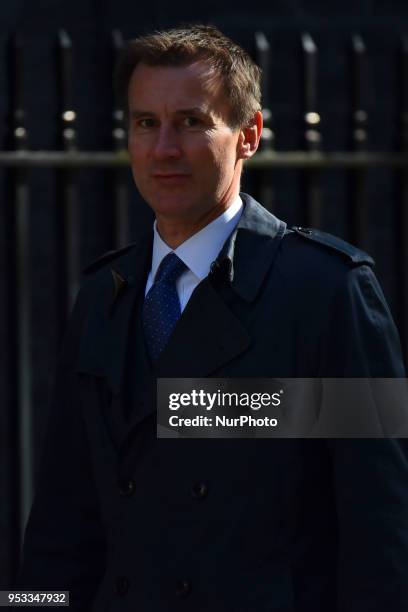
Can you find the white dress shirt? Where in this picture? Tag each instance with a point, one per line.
(198, 252)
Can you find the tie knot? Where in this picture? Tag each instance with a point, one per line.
(170, 269)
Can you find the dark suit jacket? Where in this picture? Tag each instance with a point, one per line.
(128, 522)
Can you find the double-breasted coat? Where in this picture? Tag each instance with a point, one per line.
(128, 522)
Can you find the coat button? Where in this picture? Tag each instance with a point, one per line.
(183, 588)
(122, 585)
(214, 267)
(199, 490)
(127, 488)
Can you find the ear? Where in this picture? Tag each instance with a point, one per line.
(249, 137)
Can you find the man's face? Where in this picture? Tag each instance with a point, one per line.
(184, 154)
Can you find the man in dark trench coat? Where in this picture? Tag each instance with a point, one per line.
(221, 288)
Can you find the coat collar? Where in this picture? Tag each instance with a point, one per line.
(250, 250)
(245, 259)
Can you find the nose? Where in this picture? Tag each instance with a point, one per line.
(167, 145)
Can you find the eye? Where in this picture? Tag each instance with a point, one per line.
(147, 122)
(191, 121)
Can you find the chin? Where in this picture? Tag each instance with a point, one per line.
(172, 205)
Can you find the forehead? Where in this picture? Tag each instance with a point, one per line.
(176, 87)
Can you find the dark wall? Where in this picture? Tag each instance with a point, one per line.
(89, 25)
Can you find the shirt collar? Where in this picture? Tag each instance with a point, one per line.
(200, 250)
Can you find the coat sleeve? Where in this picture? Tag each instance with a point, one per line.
(370, 476)
(64, 544)
(360, 338)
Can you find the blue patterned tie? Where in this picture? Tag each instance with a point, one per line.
(161, 308)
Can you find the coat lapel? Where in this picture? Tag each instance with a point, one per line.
(106, 331)
(207, 336)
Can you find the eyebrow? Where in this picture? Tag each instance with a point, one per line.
(195, 110)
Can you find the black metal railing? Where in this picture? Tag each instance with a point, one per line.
(311, 161)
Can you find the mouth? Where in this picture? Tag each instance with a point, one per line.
(170, 176)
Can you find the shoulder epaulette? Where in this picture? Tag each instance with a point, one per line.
(106, 258)
(354, 255)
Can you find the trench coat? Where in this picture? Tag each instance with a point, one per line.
(128, 522)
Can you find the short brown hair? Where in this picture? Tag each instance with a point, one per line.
(181, 46)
